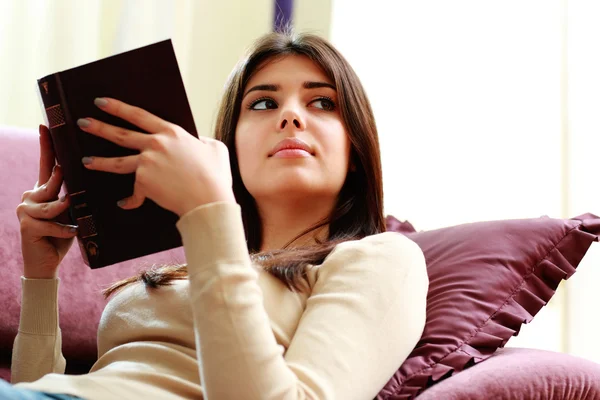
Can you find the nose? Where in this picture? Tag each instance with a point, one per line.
(292, 119)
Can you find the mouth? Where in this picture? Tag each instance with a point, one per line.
(291, 153)
(291, 148)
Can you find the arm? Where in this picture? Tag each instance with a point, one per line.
(37, 347)
(364, 317)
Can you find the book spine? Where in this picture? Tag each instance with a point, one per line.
(63, 131)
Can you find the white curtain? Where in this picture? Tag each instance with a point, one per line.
(583, 147)
(487, 110)
(39, 37)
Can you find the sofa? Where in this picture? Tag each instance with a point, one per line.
(510, 373)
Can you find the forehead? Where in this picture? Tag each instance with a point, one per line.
(288, 69)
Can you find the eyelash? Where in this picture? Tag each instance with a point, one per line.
(255, 102)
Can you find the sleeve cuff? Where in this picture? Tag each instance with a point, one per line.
(213, 233)
(39, 306)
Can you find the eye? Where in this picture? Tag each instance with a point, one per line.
(324, 103)
(263, 104)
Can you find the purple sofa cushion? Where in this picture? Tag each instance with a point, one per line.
(512, 373)
(80, 299)
(486, 280)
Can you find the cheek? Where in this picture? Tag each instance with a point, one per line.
(239, 149)
(247, 148)
(337, 144)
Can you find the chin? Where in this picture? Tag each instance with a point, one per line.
(296, 175)
(290, 188)
(292, 182)
(296, 187)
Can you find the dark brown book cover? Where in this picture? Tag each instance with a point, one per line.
(147, 77)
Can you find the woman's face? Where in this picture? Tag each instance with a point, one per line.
(291, 99)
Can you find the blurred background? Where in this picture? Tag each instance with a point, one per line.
(486, 110)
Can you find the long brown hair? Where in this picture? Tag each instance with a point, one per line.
(359, 208)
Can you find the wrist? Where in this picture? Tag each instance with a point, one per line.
(193, 202)
(37, 271)
(39, 275)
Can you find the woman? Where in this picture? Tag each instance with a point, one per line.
(292, 288)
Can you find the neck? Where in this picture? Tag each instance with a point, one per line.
(283, 222)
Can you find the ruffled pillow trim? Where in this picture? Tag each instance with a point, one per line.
(537, 289)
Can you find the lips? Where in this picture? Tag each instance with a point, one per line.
(291, 144)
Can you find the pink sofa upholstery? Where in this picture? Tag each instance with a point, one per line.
(509, 374)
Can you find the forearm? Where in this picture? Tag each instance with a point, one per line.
(233, 332)
(37, 347)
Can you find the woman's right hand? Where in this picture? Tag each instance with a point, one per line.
(44, 243)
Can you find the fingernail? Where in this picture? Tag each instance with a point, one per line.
(62, 199)
(40, 129)
(121, 203)
(86, 160)
(83, 122)
(100, 102)
(53, 169)
(73, 229)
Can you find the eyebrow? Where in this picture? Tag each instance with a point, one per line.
(305, 85)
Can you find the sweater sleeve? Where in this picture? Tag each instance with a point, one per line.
(37, 348)
(363, 318)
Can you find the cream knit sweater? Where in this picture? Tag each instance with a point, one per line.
(232, 331)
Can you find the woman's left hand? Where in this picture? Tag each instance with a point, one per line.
(176, 170)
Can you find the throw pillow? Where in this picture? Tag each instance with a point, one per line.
(486, 280)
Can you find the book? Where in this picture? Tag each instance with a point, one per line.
(146, 77)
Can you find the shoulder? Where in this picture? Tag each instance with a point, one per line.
(393, 242)
(381, 257)
(382, 246)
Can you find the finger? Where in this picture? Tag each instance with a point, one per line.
(121, 136)
(133, 201)
(47, 157)
(50, 190)
(43, 211)
(31, 227)
(117, 165)
(137, 116)
(64, 217)
(204, 139)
